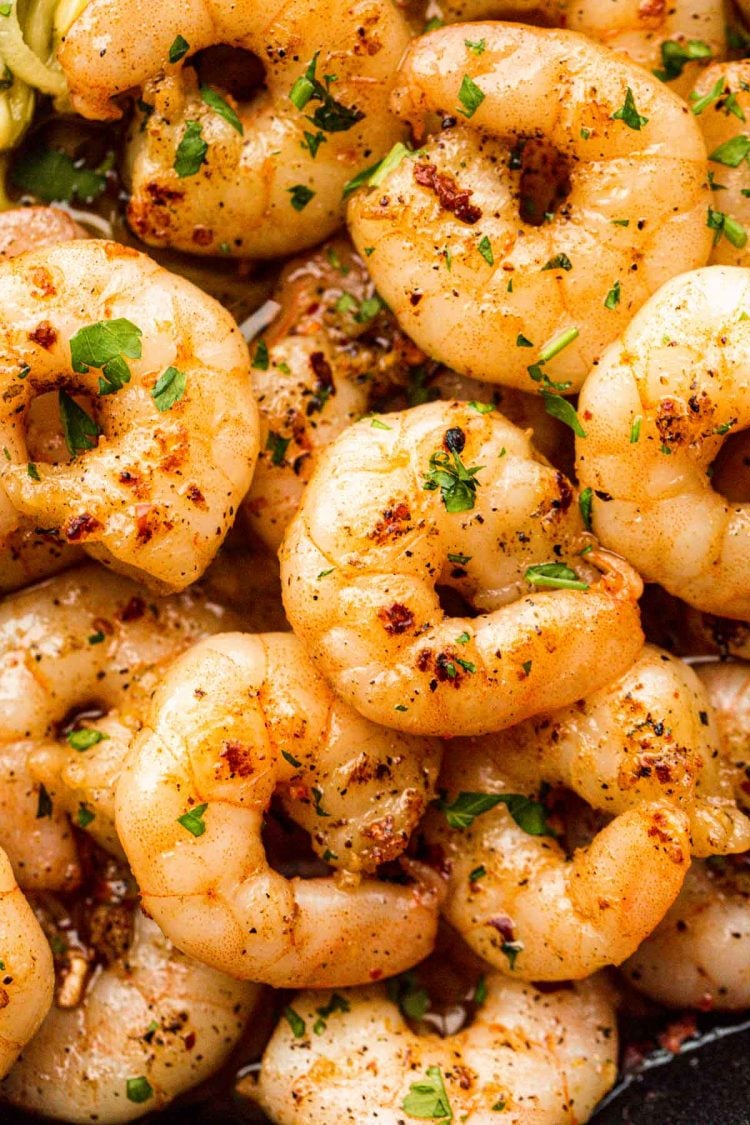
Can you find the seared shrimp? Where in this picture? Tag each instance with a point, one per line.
(81, 645)
(236, 716)
(658, 409)
(528, 1055)
(155, 401)
(721, 101)
(728, 688)
(30, 553)
(261, 177)
(519, 901)
(649, 736)
(671, 40)
(332, 353)
(148, 1024)
(450, 494)
(26, 977)
(611, 190)
(699, 956)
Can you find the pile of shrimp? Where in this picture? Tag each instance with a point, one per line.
(374, 554)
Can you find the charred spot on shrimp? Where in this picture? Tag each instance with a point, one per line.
(396, 521)
(450, 196)
(544, 182)
(396, 618)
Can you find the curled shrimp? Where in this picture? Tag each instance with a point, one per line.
(671, 40)
(270, 171)
(30, 553)
(728, 688)
(452, 495)
(648, 736)
(519, 901)
(234, 717)
(529, 1055)
(146, 1024)
(26, 976)
(659, 407)
(158, 468)
(82, 645)
(332, 353)
(490, 269)
(698, 956)
(721, 101)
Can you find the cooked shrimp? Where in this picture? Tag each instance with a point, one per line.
(728, 688)
(26, 977)
(619, 204)
(85, 643)
(721, 101)
(332, 353)
(149, 1024)
(451, 495)
(649, 736)
(530, 1055)
(658, 408)
(29, 553)
(699, 956)
(672, 40)
(234, 717)
(155, 476)
(515, 897)
(261, 177)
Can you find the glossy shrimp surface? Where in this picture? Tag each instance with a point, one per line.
(149, 1023)
(236, 716)
(267, 175)
(26, 976)
(487, 260)
(451, 495)
(648, 736)
(528, 1055)
(162, 437)
(83, 651)
(659, 407)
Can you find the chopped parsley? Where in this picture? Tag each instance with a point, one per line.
(559, 407)
(674, 56)
(79, 428)
(559, 262)
(104, 345)
(635, 429)
(84, 815)
(218, 104)
(612, 300)
(139, 1090)
(169, 389)
(192, 820)
(585, 502)
(412, 999)
(300, 196)
(555, 576)
(477, 48)
(54, 176)
(428, 1099)
(277, 446)
(191, 151)
(470, 97)
(295, 1021)
(629, 114)
(466, 807)
(721, 223)
(485, 249)
(330, 116)
(731, 153)
(32, 471)
(457, 484)
(85, 738)
(179, 49)
(260, 359)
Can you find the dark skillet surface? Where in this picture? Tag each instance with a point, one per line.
(707, 1084)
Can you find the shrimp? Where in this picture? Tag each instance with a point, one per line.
(672, 40)
(81, 645)
(332, 353)
(721, 101)
(147, 1024)
(261, 176)
(699, 955)
(452, 495)
(235, 716)
(658, 409)
(30, 553)
(26, 976)
(519, 260)
(530, 1055)
(650, 736)
(516, 898)
(155, 475)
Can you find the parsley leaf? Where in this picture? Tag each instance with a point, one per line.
(485, 249)
(103, 345)
(674, 55)
(559, 262)
(732, 152)
(585, 502)
(559, 407)
(192, 820)
(215, 102)
(555, 576)
(470, 97)
(330, 116)
(467, 807)
(295, 1021)
(191, 151)
(169, 389)
(84, 815)
(457, 484)
(300, 196)
(477, 48)
(79, 428)
(277, 446)
(629, 114)
(85, 738)
(721, 223)
(613, 297)
(53, 176)
(179, 49)
(428, 1100)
